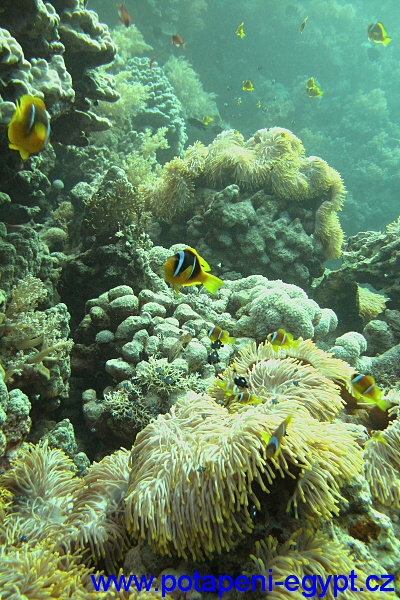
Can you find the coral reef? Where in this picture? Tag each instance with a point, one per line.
(291, 223)
(370, 258)
(148, 102)
(264, 306)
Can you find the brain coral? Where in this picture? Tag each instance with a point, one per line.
(264, 306)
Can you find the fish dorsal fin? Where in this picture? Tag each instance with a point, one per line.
(203, 263)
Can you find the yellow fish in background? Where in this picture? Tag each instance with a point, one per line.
(187, 267)
(240, 30)
(282, 339)
(239, 100)
(312, 89)
(363, 387)
(207, 119)
(303, 24)
(377, 33)
(274, 441)
(248, 86)
(29, 128)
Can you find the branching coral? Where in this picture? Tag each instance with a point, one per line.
(313, 556)
(187, 85)
(30, 337)
(196, 453)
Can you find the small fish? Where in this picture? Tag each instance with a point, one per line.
(363, 387)
(240, 30)
(123, 15)
(177, 347)
(377, 435)
(239, 100)
(312, 89)
(377, 33)
(207, 119)
(29, 128)
(165, 378)
(247, 86)
(230, 388)
(303, 24)
(240, 382)
(196, 123)
(247, 398)
(176, 40)
(258, 104)
(213, 358)
(152, 61)
(216, 344)
(218, 334)
(274, 441)
(282, 339)
(187, 267)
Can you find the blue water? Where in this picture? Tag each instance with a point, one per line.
(354, 125)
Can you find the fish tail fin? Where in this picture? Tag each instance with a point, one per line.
(384, 405)
(255, 401)
(386, 41)
(211, 282)
(231, 340)
(185, 44)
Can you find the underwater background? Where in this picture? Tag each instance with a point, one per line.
(199, 297)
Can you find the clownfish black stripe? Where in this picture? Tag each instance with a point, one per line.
(185, 259)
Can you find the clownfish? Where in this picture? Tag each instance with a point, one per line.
(187, 267)
(363, 387)
(274, 441)
(312, 89)
(282, 339)
(207, 119)
(123, 15)
(247, 86)
(176, 40)
(247, 398)
(230, 388)
(221, 335)
(377, 33)
(29, 128)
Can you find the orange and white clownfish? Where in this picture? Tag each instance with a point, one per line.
(187, 267)
(29, 128)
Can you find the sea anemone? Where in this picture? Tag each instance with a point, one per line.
(191, 483)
